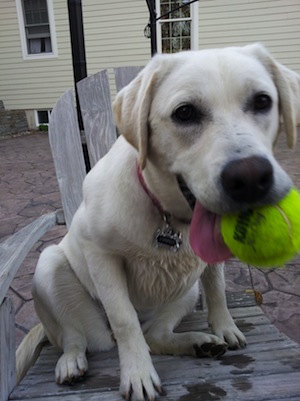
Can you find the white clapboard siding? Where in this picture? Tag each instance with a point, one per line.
(239, 22)
(37, 83)
(114, 33)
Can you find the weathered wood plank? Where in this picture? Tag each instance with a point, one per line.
(240, 388)
(200, 392)
(237, 373)
(103, 369)
(14, 250)
(7, 349)
(246, 387)
(234, 299)
(185, 397)
(65, 141)
(96, 109)
(124, 75)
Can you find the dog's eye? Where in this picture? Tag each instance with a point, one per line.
(186, 114)
(261, 103)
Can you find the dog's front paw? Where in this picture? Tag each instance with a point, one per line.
(139, 381)
(232, 335)
(226, 329)
(211, 350)
(70, 367)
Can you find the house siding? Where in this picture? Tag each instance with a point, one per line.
(114, 36)
(275, 23)
(33, 84)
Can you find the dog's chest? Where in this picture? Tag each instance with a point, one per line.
(161, 276)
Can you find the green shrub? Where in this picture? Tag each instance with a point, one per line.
(43, 127)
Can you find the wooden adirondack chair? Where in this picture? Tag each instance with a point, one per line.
(268, 369)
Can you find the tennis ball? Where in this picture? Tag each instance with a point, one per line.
(267, 236)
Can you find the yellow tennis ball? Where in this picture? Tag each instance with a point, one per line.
(267, 236)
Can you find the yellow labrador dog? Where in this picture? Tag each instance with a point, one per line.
(197, 133)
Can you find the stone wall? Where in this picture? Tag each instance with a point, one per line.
(12, 121)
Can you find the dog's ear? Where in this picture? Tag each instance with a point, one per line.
(288, 87)
(132, 107)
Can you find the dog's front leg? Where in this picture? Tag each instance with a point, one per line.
(219, 318)
(139, 379)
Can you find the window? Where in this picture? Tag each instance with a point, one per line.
(42, 117)
(177, 30)
(36, 28)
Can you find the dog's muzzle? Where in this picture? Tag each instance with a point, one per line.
(247, 180)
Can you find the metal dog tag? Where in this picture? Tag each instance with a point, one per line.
(167, 237)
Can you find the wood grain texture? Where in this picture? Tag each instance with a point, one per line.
(124, 75)
(266, 370)
(97, 115)
(14, 250)
(7, 349)
(64, 137)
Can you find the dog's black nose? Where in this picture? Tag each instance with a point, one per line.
(247, 180)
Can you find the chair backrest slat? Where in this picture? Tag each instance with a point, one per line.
(124, 75)
(95, 103)
(65, 141)
(99, 128)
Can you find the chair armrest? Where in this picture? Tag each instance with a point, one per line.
(7, 349)
(14, 250)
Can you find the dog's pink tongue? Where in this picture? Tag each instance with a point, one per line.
(205, 237)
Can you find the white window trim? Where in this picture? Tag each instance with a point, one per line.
(38, 56)
(194, 26)
(36, 117)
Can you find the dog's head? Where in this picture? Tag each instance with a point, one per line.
(212, 117)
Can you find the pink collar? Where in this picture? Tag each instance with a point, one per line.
(165, 215)
(165, 236)
(153, 198)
